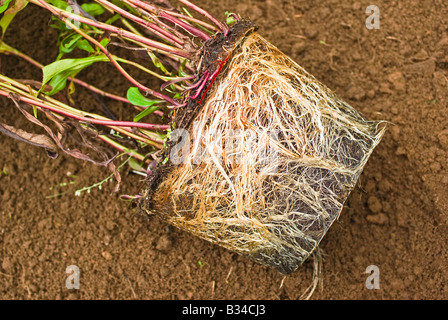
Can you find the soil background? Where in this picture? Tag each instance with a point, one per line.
(396, 218)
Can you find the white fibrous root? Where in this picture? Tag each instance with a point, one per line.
(269, 160)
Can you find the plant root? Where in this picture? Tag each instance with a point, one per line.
(271, 156)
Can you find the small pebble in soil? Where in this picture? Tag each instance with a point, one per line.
(106, 255)
(401, 151)
(379, 218)
(395, 132)
(164, 271)
(397, 80)
(164, 243)
(356, 93)
(7, 265)
(298, 48)
(374, 204)
(310, 32)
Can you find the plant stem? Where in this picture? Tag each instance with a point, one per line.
(194, 20)
(148, 137)
(164, 14)
(78, 117)
(114, 62)
(161, 33)
(122, 148)
(12, 86)
(164, 48)
(10, 50)
(205, 14)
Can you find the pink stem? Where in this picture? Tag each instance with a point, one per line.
(205, 14)
(112, 60)
(197, 21)
(195, 85)
(81, 83)
(157, 20)
(113, 29)
(151, 26)
(204, 81)
(108, 123)
(168, 83)
(196, 32)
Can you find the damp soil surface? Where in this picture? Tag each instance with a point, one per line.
(395, 219)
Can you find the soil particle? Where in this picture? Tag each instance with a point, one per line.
(106, 255)
(164, 243)
(7, 265)
(310, 32)
(426, 68)
(374, 204)
(395, 133)
(397, 80)
(298, 48)
(379, 218)
(421, 55)
(356, 93)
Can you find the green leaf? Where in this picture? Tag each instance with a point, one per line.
(134, 164)
(230, 19)
(13, 8)
(182, 73)
(136, 98)
(5, 21)
(4, 5)
(83, 44)
(58, 82)
(65, 64)
(104, 42)
(94, 9)
(146, 112)
(157, 62)
(60, 70)
(69, 43)
(113, 19)
(58, 4)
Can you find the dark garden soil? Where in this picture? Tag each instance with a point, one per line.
(396, 218)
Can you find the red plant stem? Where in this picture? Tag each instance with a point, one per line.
(196, 32)
(205, 14)
(197, 21)
(106, 94)
(80, 82)
(176, 80)
(160, 23)
(214, 75)
(128, 132)
(196, 84)
(161, 33)
(115, 63)
(125, 74)
(103, 26)
(235, 16)
(108, 123)
(164, 25)
(165, 14)
(204, 81)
